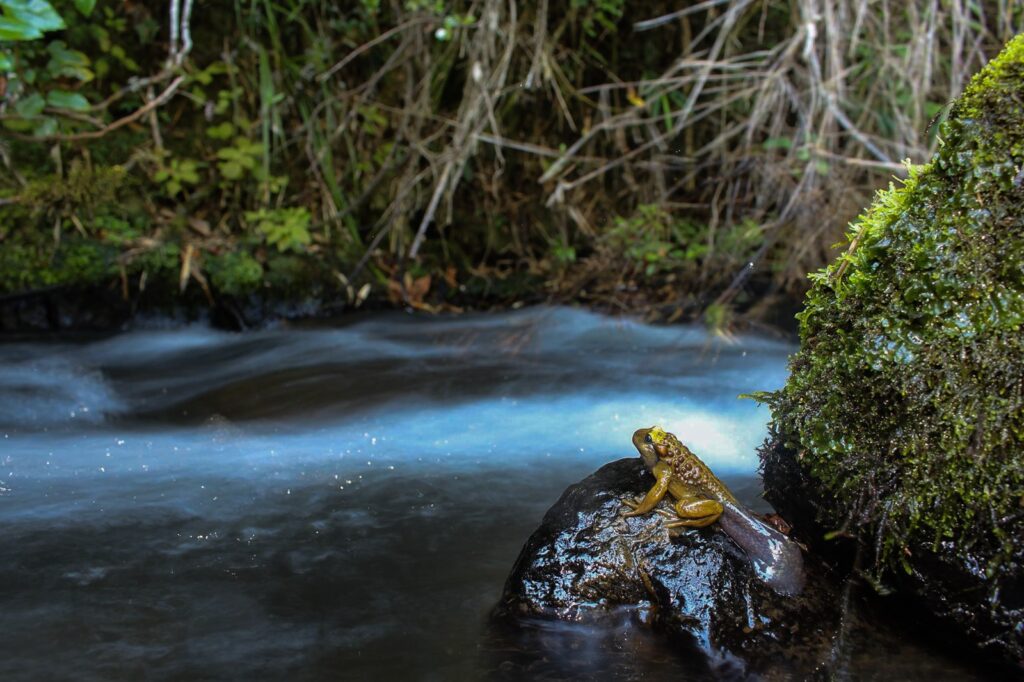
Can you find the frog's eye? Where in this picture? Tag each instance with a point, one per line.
(648, 439)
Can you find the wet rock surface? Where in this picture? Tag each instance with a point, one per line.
(58, 309)
(100, 309)
(588, 564)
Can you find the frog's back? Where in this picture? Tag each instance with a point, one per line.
(691, 471)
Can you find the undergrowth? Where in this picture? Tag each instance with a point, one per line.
(498, 149)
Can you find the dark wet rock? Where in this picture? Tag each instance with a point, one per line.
(60, 309)
(102, 309)
(586, 563)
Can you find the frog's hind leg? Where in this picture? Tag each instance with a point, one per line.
(696, 512)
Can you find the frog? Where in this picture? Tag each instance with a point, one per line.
(701, 500)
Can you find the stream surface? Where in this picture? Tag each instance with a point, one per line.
(343, 500)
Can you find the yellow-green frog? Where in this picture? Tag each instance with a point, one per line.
(701, 500)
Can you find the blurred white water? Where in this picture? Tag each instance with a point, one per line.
(388, 392)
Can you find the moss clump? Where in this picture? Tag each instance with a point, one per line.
(906, 399)
(236, 273)
(86, 187)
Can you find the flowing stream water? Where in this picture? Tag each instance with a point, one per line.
(339, 500)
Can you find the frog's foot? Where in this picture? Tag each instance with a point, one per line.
(634, 505)
(696, 513)
(631, 502)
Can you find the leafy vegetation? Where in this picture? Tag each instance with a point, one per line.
(684, 158)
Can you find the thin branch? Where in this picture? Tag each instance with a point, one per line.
(121, 122)
(186, 31)
(435, 199)
(368, 45)
(847, 125)
(648, 24)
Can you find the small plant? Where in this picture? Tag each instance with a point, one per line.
(718, 318)
(564, 254)
(178, 173)
(287, 229)
(655, 242)
(242, 157)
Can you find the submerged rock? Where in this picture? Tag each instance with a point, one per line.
(587, 563)
(900, 431)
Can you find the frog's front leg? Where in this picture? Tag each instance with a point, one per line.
(662, 478)
(696, 512)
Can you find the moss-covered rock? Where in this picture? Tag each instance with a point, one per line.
(905, 404)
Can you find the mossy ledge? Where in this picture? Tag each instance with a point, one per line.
(902, 423)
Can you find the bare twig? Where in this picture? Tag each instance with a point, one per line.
(386, 35)
(678, 14)
(159, 100)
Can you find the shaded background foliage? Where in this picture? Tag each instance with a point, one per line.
(688, 158)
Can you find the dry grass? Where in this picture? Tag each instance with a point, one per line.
(789, 114)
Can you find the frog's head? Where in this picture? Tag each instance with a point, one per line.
(652, 444)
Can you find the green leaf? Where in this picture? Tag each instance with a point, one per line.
(85, 6)
(68, 63)
(62, 99)
(31, 106)
(17, 30)
(231, 170)
(188, 172)
(17, 124)
(102, 37)
(222, 131)
(48, 126)
(5, 62)
(285, 228)
(249, 147)
(777, 143)
(28, 19)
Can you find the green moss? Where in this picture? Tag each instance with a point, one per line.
(161, 264)
(86, 187)
(906, 399)
(235, 273)
(27, 266)
(84, 261)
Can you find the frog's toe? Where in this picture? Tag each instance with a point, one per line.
(692, 523)
(634, 506)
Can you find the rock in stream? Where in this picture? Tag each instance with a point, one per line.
(587, 563)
